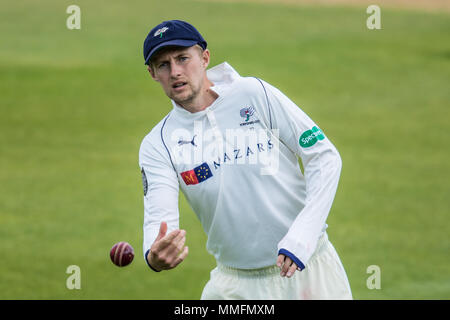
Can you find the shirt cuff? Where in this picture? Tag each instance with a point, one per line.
(145, 257)
(296, 260)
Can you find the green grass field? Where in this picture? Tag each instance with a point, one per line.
(75, 105)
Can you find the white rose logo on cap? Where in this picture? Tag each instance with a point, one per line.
(160, 32)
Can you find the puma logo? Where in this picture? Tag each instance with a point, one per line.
(182, 142)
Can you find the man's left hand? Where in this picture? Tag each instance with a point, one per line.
(288, 267)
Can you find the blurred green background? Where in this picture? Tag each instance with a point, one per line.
(76, 104)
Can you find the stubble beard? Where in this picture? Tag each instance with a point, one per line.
(188, 99)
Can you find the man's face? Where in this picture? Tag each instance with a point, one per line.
(181, 72)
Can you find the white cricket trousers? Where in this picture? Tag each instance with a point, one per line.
(324, 277)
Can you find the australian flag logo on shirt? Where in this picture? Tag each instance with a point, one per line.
(197, 175)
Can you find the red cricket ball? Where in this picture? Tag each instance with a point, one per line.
(121, 254)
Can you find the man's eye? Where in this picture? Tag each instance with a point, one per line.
(162, 65)
(183, 58)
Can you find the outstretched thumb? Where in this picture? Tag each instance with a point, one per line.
(162, 231)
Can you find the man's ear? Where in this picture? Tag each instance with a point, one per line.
(206, 58)
(152, 72)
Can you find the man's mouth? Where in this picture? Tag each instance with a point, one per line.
(178, 85)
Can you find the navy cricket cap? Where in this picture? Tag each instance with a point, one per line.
(171, 33)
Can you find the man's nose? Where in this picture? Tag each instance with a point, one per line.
(175, 69)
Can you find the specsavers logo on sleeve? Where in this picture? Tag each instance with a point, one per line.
(310, 137)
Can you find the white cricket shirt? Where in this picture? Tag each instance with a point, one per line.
(237, 164)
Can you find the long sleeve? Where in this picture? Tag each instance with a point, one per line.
(322, 166)
(161, 189)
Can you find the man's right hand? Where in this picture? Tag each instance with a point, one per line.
(167, 251)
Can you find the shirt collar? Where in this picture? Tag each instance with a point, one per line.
(222, 75)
